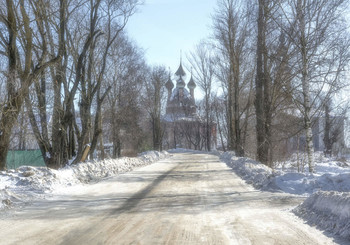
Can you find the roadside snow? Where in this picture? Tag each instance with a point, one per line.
(330, 175)
(328, 207)
(329, 211)
(253, 172)
(328, 204)
(20, 186)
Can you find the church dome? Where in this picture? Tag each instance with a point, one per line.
(169, 84)
(180, 103)
(180, 72)
(191, 84)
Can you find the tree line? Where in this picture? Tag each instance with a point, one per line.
(279, 66)
(70, 70)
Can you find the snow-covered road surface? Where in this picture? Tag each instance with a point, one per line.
(190, 198)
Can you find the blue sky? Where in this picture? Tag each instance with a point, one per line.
(164, 27)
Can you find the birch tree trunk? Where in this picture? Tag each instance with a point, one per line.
(316, 28)
(305, 85)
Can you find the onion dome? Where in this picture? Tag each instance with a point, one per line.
(169, 84)
(191, 84)
(180, 71)
(180, 83)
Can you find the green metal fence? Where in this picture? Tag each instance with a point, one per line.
(16, 159)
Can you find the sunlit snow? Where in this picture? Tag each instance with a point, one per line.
(24, 184)
(327, 190)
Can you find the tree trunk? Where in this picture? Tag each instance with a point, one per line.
(117, 148)
(267, 113)
(97, 130)
(61, 121)
(238, 141)
(11, 110)
(208, 124)
(305, 87)
(102, 148)
(156, 134)
(327, 132)
(230, 112)
(115, 132)
(259, 83)
(98, 120)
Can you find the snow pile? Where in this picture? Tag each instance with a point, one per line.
(96, 170)
(253, 172)
(329, 187)
(21, 185)
(26, 183)
(329, 175)
(301, 183)
(327, 210)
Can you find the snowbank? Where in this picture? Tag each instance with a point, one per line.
(327, 210)
(329, 176)
(305, 184)
(253, 172)
(329, 204)
(22, 185)
(96, 170)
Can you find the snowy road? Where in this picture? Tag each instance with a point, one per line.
(186, 199)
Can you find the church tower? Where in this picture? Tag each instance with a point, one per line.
(183, 126)
(180, 100)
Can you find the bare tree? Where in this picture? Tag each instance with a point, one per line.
(231, 32)
(22, 68)
(154, 99)
(202, 62)
(274, 74)
(81, 72)
(191, 133)
(317, 31)
(262, 85)
(219, 111)
(122, 110)
(117, 16)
